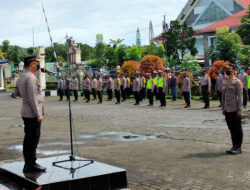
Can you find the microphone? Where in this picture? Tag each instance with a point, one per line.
(46, 71)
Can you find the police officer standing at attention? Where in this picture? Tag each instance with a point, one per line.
(205, 88)
(232, 93)
(75, 88)
(156, 84)
(150, 89)
(123, 88)
(218, 85)
(161, 89)
(109, 88)
(93, 86)
(117, 87)
(60, 87)
(136, 88)
(99, 89)
(244, 79)
(32, 111)
(186, 88)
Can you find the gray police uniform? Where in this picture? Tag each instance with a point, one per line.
(232, 93)
(28, 88)
(244, 79)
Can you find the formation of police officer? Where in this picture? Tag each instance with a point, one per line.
(32, 111)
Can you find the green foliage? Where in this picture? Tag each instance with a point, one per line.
(179, 38)
(134, 53)
(121, 52)
(16, 55)
(245, 55)
(86, 51)
(111, 60)
(191, 64)
(244, 28)
(1, 55)
(115, 43)
(6, 46)
(227, 47)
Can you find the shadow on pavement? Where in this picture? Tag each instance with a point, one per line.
(206, 155)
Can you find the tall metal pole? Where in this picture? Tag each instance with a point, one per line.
(51, 41)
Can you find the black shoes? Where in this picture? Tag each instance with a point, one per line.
(136, 104)
(162, 106)
(234, 150)
(187, 107)
(60, 99)
(75, 101)
(219, 106)
(33, 168)
(99, 102)
(150, 104)
(87, 101)
(117, 103)
(206, 107)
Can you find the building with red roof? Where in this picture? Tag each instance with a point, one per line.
(205, 16)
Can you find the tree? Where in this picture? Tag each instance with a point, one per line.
(151, 63)
(16, 55)
(245, 55)
(244, 28)
(179, 38)
(115, 43)
(49, 55)
(110, 57)
(6, 48)
(191, 64)
(213, 72)
(86, 52)
(99, 51)
(129, 68)
(1, 55)
(121, 52)
(227, 46)
(134, 53)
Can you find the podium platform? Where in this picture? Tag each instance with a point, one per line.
(92, 176)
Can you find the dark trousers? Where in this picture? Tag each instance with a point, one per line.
(75, 94)
(156, 94)
(94, 93)
(123, 91)
(244, 97)
(142, 94)
(174, 94)
(67, 93)
(137, 97)
(87, 94)
(60, 93)
(235, 128)
(150, 97)
(118, 95)
(32, 130)
(128, 92)
(162, 97)
(205, 95)
(187, 97)
(220, 96)
(249, 94)
(110, 94)
(99, 93)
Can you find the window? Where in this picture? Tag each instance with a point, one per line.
(212, 14)
(237, 8)
(182, 16)
(191, 18)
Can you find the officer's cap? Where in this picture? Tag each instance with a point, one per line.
(231, 65)
(31, 58)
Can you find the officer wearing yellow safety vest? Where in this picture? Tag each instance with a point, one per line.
(161, 89)
(150, 89)
(156, 83)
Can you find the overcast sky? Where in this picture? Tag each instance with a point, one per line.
(83, 19)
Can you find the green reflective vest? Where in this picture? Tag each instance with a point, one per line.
(249, 82)
(160, 82)
(156, 81)
(149, 84)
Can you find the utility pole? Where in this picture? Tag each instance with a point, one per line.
(165, 29)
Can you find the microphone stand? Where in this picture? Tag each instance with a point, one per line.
(71, 157)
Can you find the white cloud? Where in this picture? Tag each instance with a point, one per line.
(83, 19)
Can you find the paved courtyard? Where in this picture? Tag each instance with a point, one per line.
(162, 149)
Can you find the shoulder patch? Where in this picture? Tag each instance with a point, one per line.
(240, 83)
